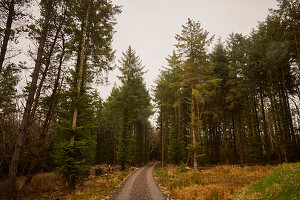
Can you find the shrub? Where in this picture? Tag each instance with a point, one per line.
(182, 168)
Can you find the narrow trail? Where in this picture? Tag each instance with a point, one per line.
(139, 186)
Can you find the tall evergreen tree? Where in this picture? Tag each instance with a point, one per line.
(197, 75)
(90, 27)
(136, 109)
(46, 9)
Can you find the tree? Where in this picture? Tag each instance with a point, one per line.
(8, 113)
(136, 109)
(109, 128)
(73, 159)
(11, 10)
(52, 102)
(90, 29)
(46, 7)
(196, 77)
(170, 99)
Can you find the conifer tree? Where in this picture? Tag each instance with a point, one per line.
(90, 29)
(136, 109)
(46, 7)
(12, 11)
(196, 77)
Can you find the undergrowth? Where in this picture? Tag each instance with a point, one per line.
(221, 182)
(51, 186)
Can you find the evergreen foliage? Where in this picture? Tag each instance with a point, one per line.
(73, 159)
(238, 103)
(135, 109)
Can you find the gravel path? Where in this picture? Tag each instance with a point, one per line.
(139, 186)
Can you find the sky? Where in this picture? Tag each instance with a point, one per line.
(149, 26)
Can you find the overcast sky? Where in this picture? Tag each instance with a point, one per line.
(149, 26)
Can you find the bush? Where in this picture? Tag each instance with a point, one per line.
(182, 168)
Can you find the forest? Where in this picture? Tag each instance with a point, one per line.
(231, 100)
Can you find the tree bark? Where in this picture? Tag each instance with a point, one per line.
(81, 69)
(162, 138)
(115, 139)
(194, 134)
(265, 126)
(44, 74)
(23, 130)
(71, 182)
(7, 32)
(234, 137)
(46, 124)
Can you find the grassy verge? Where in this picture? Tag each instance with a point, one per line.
(282, 183)
(221, 182)
(50, 186)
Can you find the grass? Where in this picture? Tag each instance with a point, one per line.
(221, 182)
(50, 186)
(283, 183)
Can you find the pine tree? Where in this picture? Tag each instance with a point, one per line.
(196, 77)
(136, 109)
(109, 128)
(46, 7)
(73, 159)
(12, 11)
(9, 79)
(86, 22)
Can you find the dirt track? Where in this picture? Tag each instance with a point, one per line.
(139, 186)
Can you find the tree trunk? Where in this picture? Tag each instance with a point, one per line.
(7, 32)
(45, 72)
(194, 134)
(115, 140)
(23, 130)
(265, 129)
(71, 182)
(81, 69)
(46, 124)
(234, 137)
(276, 127)
(162, 137)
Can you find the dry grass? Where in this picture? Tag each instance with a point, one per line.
(51, 186)
(221, 182)
(99, 188)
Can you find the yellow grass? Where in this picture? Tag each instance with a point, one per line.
(221, 182)
(51, 186)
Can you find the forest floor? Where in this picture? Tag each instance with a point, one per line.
(50, 186)
(220, 182)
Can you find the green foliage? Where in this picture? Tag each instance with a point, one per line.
(123, 152)
(109, 118)
(100, 31)
(184, 89)
(80, 112)
(8, 81)
(135, 110)
(176, 145)
(71, 157)
(8, 114)
(182, 168)
(74, 158)
(282, 183)
(241, 100)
